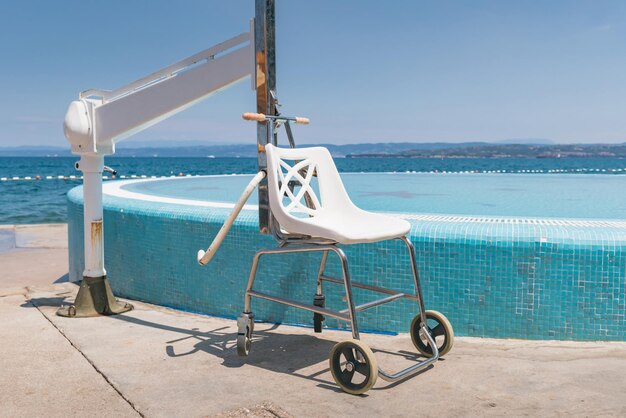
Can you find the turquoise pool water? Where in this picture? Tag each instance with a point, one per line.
(519, 195)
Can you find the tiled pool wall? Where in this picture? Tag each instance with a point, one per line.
(500, 278)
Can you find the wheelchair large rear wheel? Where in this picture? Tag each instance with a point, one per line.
(354, 366)
(439, 328)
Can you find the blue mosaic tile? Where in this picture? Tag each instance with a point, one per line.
(502, 278)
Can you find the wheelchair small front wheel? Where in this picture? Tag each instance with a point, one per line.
(440, 330)
(354, 366)
(244, 343)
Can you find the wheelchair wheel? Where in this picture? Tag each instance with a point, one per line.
(245, 328)
(439, 328)
(354, 366)
(244, 343)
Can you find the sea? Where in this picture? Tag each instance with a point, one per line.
(33, 189)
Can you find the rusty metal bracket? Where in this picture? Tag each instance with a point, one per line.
(94, 298)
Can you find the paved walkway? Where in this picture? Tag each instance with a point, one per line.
(156, 362)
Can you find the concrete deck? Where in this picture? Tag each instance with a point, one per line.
(156, 362)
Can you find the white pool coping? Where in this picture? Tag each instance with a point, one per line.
(115, 188)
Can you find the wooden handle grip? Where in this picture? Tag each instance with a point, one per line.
(303, 121)
(259, 117)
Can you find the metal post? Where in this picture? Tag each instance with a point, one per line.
(265, 84)
(94, 296)
(416, 279)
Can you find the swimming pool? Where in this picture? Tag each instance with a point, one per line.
(531, 195)
(510, 256)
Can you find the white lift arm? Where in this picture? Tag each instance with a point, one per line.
(100, 118)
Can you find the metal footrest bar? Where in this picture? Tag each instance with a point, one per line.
(409, 371)
(374, 303)
(317, 309)
(370, 287)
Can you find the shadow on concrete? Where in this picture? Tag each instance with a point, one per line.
(63, 279)
(272, 350)
(278, 352)
(56, 301)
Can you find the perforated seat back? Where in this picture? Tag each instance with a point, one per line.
(300, 164)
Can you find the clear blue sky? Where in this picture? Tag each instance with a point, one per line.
(363, 71)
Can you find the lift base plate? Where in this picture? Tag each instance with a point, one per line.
(94, 298)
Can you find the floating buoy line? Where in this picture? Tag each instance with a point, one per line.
(524, 171)
(66, 178)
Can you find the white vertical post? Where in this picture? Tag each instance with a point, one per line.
(92, 166)
(94, 295)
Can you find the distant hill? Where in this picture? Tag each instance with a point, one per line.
(202, 149)
(502, 149)
(527, 141)
(509, 151)
(249, 150)
(34, 151)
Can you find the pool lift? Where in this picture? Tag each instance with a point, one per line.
(289, 206)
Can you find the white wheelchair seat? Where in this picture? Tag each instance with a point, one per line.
(334, 217)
